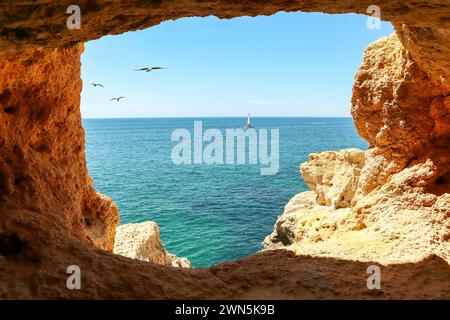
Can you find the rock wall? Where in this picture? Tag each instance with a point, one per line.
(400, 112)
(403, 115)
(51, 217)
(44, 183)
(391, 203)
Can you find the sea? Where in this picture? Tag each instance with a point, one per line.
(208, 213)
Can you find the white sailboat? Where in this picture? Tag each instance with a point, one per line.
(248, 125)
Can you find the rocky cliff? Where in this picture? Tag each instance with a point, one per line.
(51, 216)
(391, 203)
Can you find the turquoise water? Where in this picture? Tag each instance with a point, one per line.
(207, 213)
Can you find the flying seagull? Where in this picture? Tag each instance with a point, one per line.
(148, 69)
(117, 99)
(97, 84)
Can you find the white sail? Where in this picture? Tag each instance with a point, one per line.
(248, 125)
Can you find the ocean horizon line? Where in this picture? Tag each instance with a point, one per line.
(217, 117)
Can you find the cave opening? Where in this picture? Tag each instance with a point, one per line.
(53, 218)
(291, 71)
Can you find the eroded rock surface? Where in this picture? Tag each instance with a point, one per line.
(400, 112)
(391, 203)
(397, 222)
(43, 178)
(334, 176)
(142, 241)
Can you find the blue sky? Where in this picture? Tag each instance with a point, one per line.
(288, 64)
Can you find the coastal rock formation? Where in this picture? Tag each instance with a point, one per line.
(334, 176)
(400, 112)
(389, 204)
(404, 116)
(52, 217)
(422, 25)
(142, 241)
(397, 222)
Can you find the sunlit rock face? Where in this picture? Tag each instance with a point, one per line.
(390, 206)
(142, 241)
(334, 176)
(404, 219)
(400, 112)
(43, 176)
(391, 203)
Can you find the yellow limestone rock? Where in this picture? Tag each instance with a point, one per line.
(390, 204)
(142, 241)
(334, 176)
(404, 220)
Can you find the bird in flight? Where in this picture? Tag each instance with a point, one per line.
(148, 69)
(97, 84)
(117, 99)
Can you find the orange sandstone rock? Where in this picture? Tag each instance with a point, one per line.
(43, 171)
